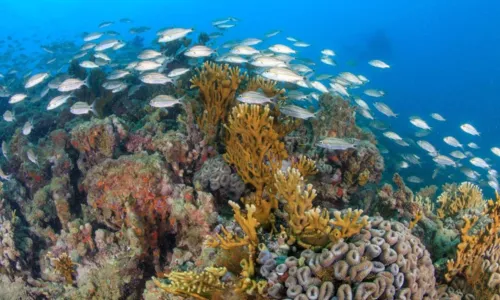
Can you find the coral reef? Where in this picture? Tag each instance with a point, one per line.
(455, 198)
(97, 140)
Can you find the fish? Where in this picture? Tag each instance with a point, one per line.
(32, 157)
(351, 78)
(244, 50)
(282, 75)
(148, 54)
(5, 150)
(177, 72)
(82, 108)
(106, 44)
(252, 97)
(422, 133)
(418, 122)
(72, 84)
(327, 60)
(458, 154)
(379, 125)
(494, 185)
(9, 116)
(393, 136)
(36, 80)
(147, 65)
(199, 51)
(102, 56)
(374, 93)
(106, 24)
(340, 89)
(296, 95)
(267, 62)
(414, 179)
(444, 160)
(4, 176)
(365, 113)
(301, 44)
(297, 112)
(87, 64)
(319, 86)
(469, 129)
(28, 126)
(155, 78)
(473, 145)
(92, 36)
(412, 158)
(117, 74)
(323, 76)
(479, 162)
(280, 48)
(378, 64)
(250, 42)
(328, 52)
(332, 143)
(427, 147)
(384, 109)
(438, 117)
(16, 98)
(495, 151)
(58, 101)
(452, 142)
(162, 101)
(272, 33)
(234, 59)
(403, 165)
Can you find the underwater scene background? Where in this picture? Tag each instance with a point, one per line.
(249, 150)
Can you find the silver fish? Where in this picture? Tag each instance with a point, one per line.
(378, 64)
(72, 84)
(82, 108)
(8, 116)
(252, 97)
(336, 144)
(178, 72)
(16, 98)
(469, 129)
(479, 162)
(297, 112)
(452, 142)
(28, 126)
(58, 101)
(199, 51)
(414, 179)
(437, 117)
(162, 101)
(374, 93)
(385, 109)
(155, 78)
(5, 150)
(444, 160)
(36, 80)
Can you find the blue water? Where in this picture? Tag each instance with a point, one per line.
(444, 55)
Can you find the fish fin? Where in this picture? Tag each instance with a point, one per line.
(86, 81)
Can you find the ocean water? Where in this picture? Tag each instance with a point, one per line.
(444, 58)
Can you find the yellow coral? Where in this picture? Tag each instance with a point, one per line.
(268, 87)
(249, 224)
(418, 217)
(254, 148)
(191, 284)
(454, 199)
(349, 224)
(218, 85)
(477, 254)
(363, 177)
(305, 166)
(64, 265)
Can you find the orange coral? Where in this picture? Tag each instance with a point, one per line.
(477, 254)
(455, 199)
(218, 85)
(254, 148)
(64, 266)
(349, 224)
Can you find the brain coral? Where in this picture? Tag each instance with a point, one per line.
(383, 262)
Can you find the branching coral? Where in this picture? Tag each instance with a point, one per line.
(478, 254)
(254, 148)
(218, 85)
(64, 266)
(455, 199)
(348, 224)
(248, 224)
(191, 284)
